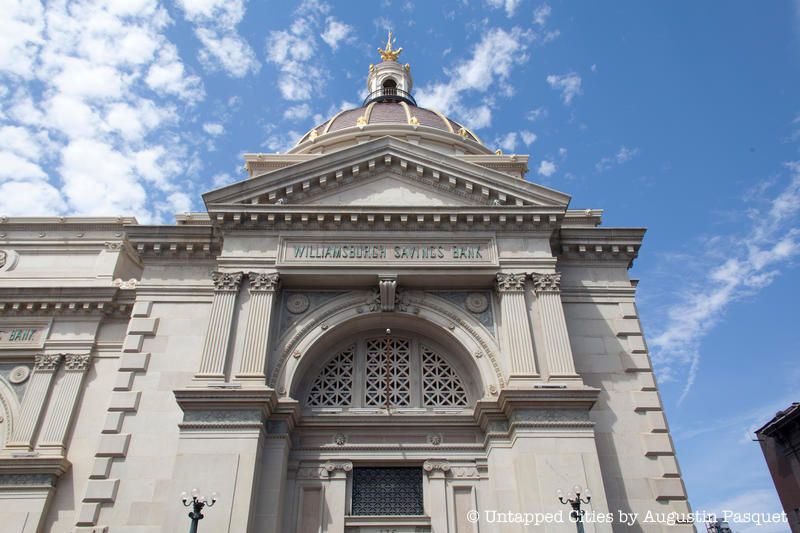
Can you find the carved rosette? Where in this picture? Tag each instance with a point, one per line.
(546, 283)
(510, 282)
(46, 362)
(78, 362)
(263, 282)
(226, 281)
(432, 467)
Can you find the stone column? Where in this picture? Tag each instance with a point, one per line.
(263, 288)
(517, 341)
(336, 495)
(62, 408)
(437, 494)
(215, 350)
(41, 381)
(547, 292)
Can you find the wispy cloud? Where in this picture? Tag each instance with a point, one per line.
(510, 6)
(215, 24)
(622, 156)
(569, 84)
(751, 261)
(546, 168)
(488, 68)
(336, 32)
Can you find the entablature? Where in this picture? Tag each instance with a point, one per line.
(620, 245)
(195, 241)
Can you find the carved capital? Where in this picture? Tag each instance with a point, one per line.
(226, 281)
(546, 283)
(45, 362)
(263, 282)
(77, 361)
(510, 282)
(332, 467)
(436, 466)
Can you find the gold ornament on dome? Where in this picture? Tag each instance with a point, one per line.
(388, 54)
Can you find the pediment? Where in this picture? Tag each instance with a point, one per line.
(386, 170)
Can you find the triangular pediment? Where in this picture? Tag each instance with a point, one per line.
(386, 171)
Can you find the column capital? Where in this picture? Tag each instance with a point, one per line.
(510, 282)
(77, 361)
(546, 282)
(433, 467)
(226, 281)
(260, 281)
(46, 362)
(331, 467)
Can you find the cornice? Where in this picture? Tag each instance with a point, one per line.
(547, 396)
(65, 300)
(262, 399)
(620, 245)
(33, 465)
(195, 241)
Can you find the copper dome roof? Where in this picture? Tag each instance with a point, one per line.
(380, 113)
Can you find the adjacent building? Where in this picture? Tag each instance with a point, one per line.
(780, 443)
(387, 328)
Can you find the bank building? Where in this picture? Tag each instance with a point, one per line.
(385, 329)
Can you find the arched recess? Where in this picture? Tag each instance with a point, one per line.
(310, 341)
(9, 411)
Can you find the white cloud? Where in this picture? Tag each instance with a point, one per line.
(215, 26)
(335, 32)
(91, 137)
(507, 142)
(541, 14)
(213, 128)
(537, 113)
(569, 84)
(292, 51)
(510, 6)
(297, 112)
(528, 137)
(546, 168)
(736, 266)
(221, 179)
(623, 155)
(489, 67)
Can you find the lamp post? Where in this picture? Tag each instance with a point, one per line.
(197, 502)
(574, 500)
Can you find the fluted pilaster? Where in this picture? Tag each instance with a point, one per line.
(547, 293)
(41, 381)
(517, 341)
(215, 350)
(263, 288)
(62, 407)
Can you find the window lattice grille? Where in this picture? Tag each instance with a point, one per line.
(334, 385)
(399, 377)
(387, 491)
(441, 386)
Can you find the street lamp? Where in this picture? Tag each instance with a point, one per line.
(197, 502)
(574, 499)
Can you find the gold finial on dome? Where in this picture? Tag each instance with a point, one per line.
(388, 54)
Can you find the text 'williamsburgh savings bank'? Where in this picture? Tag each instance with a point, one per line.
(432, 252)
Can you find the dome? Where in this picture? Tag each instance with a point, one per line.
(389, 113)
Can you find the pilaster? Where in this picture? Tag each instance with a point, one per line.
(337, 494)
(517, 341)
(558, 353)
(437, 494)
(215, 350)
(41, 381)
(62, 408)
(263, 288)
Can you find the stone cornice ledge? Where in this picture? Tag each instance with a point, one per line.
(510, 400)
(194, 402)
(28, 470)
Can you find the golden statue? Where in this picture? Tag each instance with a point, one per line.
(389, 54)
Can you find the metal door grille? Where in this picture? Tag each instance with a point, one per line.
(388, 491)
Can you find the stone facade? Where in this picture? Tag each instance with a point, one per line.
(244, 350)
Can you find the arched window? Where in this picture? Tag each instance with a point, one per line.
(389, 87)
(420, 375)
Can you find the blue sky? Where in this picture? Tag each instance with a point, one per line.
(679, 116)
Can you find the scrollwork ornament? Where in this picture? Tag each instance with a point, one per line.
(77, 361)
(546, 282)
(46, 362)
(333, 467)
(260, 281)
(226, 281)
(510, 282)
(436, 466)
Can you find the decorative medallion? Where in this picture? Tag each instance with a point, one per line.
(19, 375)
(436, 440)
(477, 302)
(297, 303)
(340, 439)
